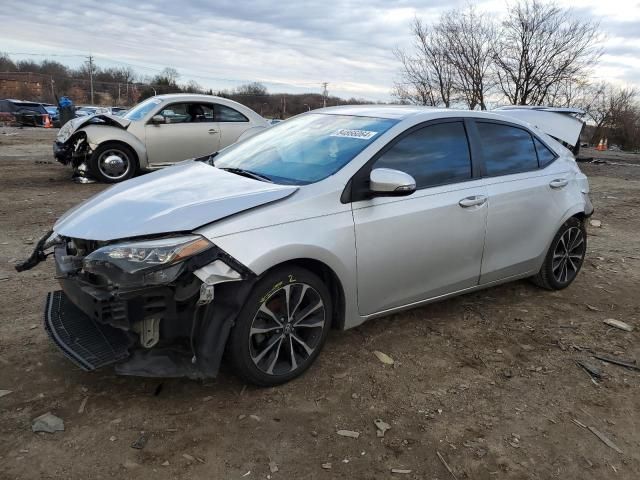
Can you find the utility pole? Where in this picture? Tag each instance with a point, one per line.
(324, 94)
(91, 76)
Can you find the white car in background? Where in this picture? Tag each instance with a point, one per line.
(156, 133)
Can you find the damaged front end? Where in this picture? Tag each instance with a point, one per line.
(160, 307)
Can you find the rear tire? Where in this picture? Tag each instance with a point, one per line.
(281, 328)
(113, 162)
(565, 256)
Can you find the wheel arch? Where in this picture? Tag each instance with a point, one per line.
(331, 280)
(98, 135)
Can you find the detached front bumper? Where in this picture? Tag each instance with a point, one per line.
(86, 342)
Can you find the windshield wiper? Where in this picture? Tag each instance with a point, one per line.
(247, 173)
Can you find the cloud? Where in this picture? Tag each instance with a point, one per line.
(290, 46)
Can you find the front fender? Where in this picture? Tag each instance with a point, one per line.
(98, 134)
(328, 239)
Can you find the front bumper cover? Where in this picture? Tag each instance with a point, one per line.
(86, 342)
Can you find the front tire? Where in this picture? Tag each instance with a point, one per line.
(113, 162)
(565, 256)
(282, 327)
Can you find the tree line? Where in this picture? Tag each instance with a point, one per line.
(538, 54)
(122, 86)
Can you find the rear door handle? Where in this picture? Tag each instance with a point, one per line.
(473, 201)
(213, 130)
(559, 183)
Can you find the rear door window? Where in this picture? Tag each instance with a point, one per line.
(433, 155)
(506, 149)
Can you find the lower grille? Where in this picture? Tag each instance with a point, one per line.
(87, 343)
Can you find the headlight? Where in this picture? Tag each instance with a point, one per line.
(147, 262)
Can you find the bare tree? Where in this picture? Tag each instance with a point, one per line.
(468, 45)
(427, 76)
(613, 109)
(541, 47)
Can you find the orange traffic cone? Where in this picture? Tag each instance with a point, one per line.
(600, 146)
(47, 122)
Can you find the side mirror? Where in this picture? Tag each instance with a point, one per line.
(156, 119)
(389, 182)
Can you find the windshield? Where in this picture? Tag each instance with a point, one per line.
(305, 149)
(140, 111)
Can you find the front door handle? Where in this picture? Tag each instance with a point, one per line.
(559, 183)
(473, 201)
(213, 130)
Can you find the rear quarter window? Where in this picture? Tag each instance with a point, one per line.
(545, 155)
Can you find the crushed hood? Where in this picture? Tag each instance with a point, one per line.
(76, 124)
(176, 199)
(559, 123)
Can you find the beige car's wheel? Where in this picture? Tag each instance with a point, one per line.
(113, 162)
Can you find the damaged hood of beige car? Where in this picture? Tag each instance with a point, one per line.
(76, 124)
(177, 199)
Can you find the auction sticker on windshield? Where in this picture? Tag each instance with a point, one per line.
(347, 133)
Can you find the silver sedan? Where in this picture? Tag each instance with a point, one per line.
(326, 220)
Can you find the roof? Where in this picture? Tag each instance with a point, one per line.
(396, 112)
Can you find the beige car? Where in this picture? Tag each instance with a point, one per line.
(156, 133)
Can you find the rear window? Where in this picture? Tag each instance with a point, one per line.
(506, 150)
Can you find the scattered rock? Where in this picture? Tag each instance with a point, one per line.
(612, 322)
(348, 433)
(4, 393)
(595, 223)
(140, 442)
(499, 352)
(326, 466)
(340, 376)
(188, 457)
(400, 471)
(355, 396)
(128, 464)
(255, 417)
(242, 416)
(47, 423)
(384, 358)
(592, 308)
(112, 438)
(207, 399)
(381, 426)
(273, 467)
(165, 463)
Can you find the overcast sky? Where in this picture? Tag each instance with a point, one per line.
(289, 46)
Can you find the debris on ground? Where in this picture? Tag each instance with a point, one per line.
(400, 470)
(165, 463)
(384, 358)
(273, 466)
(188, 457)
(326, 466)
(140, 442)
(4, 393)
(593, 371)
(592, 308)
(48, 423)
(595, 223)
(631, 364)
(604, 439)
(612, 322)
(381, 426)
(348, 433)
(446, 465)
(112, 438)
(83, 404)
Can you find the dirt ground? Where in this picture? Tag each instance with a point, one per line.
(488, 381)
